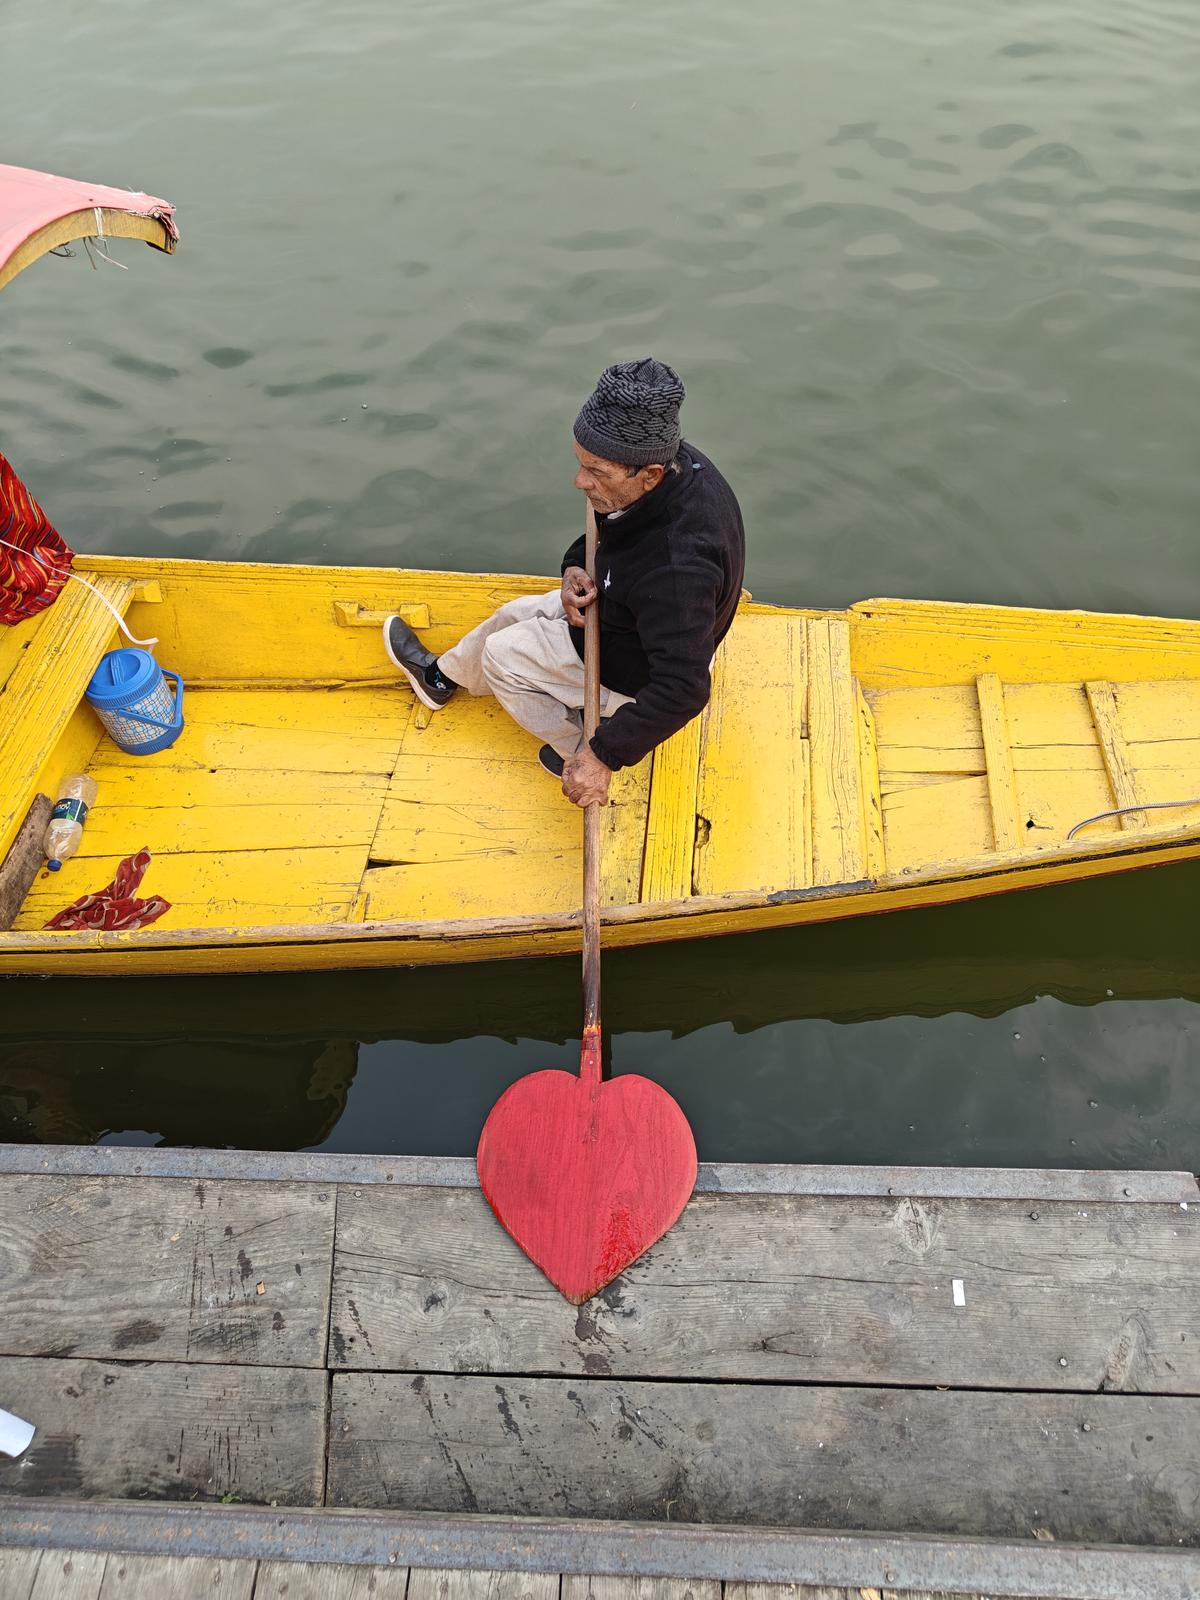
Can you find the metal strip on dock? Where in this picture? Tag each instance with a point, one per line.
(994, 1567)
(458, 1172)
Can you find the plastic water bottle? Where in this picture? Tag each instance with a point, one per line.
(65, 828)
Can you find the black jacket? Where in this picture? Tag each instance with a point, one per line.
(669, 571)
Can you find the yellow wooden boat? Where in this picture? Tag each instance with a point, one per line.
(313, 815)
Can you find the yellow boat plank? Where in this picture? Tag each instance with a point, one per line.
(1002, 783)
(838, 849)
(468, 726)
(937, 823)
(16, 640)
(45, 687)
(437, 810)
(623, 835)
(1042, 715)
(1053, 802)
(755, 835)
(671, 818)
(904, 643)
(531, 865)
(945, 718)
(543, 881)
(280, 730)
(195, 810)
(1160, 711)
(467, 784)
(381, 713)
(1170, 784)
(245, 888)
(1057, 757)
(412, 830)
(1102, 699)
(895, 782)
(868, 755)
(1178, 755)
(258, 616)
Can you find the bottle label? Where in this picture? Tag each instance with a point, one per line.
(70, 811)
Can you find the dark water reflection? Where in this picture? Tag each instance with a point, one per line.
(1050, 1029)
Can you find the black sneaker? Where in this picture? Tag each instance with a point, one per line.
(417, 664)
(551, 761)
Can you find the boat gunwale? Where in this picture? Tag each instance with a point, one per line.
(485, 929)
(900, 608)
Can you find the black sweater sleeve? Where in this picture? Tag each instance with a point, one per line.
(574, 556)
(676, 616)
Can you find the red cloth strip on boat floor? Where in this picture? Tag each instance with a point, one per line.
(114, 907)
(31, 575)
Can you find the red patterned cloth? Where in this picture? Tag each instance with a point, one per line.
(32, 575)
(114, 906)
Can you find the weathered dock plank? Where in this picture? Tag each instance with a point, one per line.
(128, 1268)
(166, 1430)
(441, 1583)
(62, 1576)
(177, 1578)
(18, 1568)
(1111, 1467)
(313, 1580)
(617, 1588)
(790, 1288)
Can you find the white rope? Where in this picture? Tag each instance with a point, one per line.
(145, 644)
(1123, 811)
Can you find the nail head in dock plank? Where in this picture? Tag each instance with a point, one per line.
(897, 1460)
(121, 1268)
(788, 1288)
(166, 1430)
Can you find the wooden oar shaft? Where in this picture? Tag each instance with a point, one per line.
(591, 814)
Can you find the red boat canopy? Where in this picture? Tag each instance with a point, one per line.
(39, 213)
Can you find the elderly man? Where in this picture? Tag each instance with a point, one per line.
(670, 561)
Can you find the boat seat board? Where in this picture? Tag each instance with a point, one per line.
(45, 685)
(753, 829)
(263, 811)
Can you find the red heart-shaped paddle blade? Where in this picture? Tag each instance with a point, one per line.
(585, 1175)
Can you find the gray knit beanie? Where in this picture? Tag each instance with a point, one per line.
(633, 416)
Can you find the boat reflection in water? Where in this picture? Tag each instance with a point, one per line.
(871, 1041)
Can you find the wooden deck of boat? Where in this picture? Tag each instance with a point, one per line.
(310, 801)
(932, 1380)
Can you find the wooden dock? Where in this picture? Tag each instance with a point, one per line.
(856, 1379)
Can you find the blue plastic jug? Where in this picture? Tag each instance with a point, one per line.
(130, 694)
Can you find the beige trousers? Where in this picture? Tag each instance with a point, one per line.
(523, 655)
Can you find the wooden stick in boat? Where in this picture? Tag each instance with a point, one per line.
(591, 814)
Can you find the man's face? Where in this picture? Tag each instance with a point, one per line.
(610, 486)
